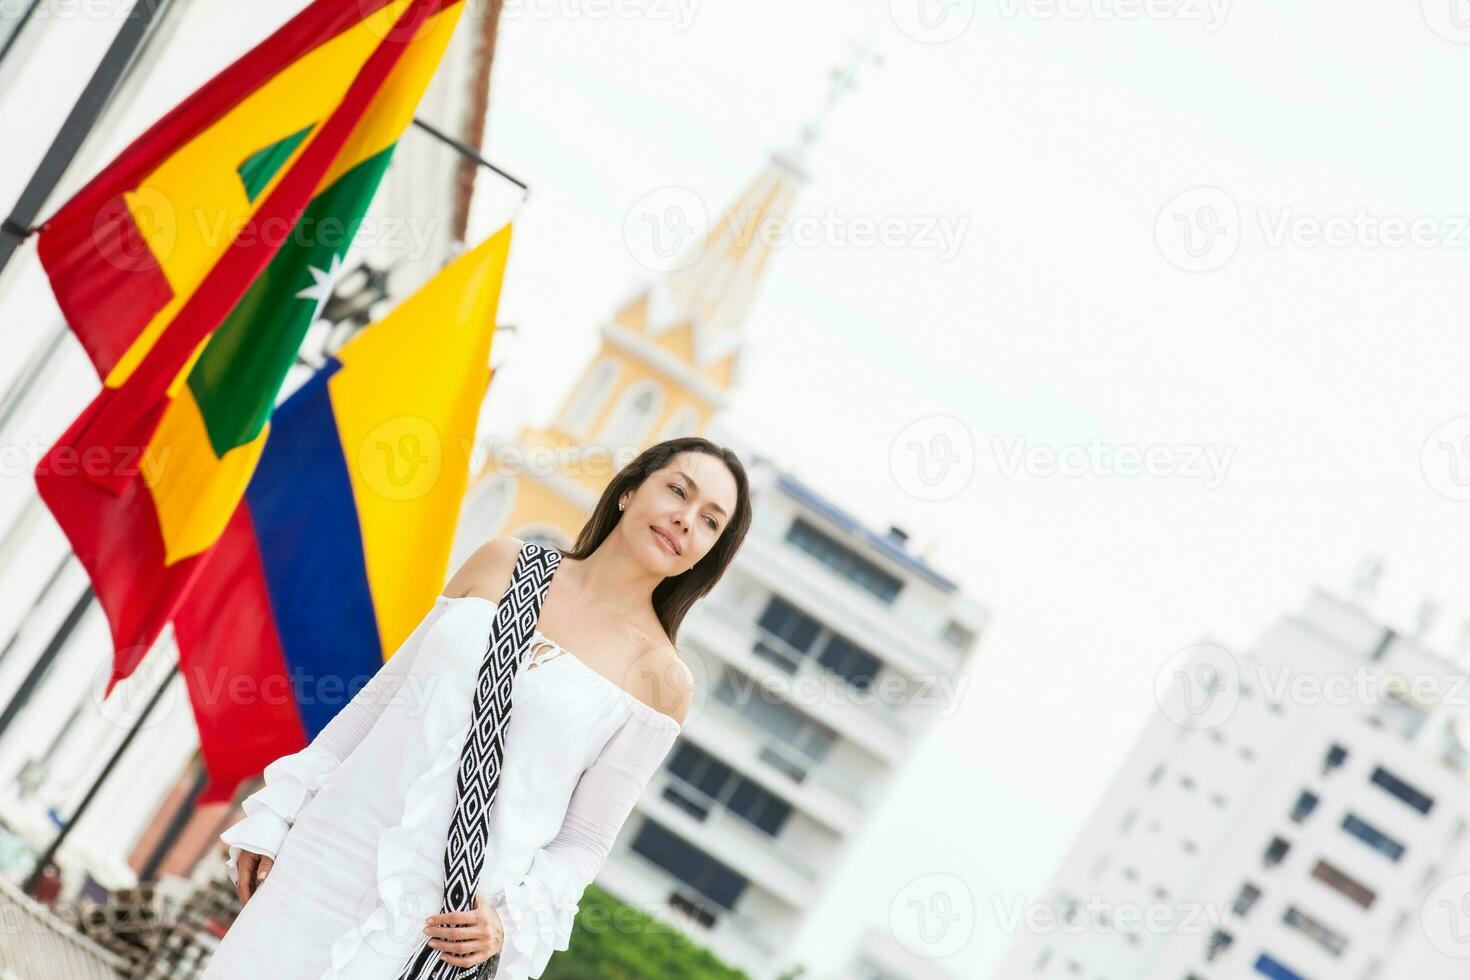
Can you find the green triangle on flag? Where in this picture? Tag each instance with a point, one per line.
(261, 166)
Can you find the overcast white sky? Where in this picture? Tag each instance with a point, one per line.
(1317, 373)
(1067, 141)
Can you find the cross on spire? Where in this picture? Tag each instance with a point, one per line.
(842, 79)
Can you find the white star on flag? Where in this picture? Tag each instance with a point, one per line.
(322, 289)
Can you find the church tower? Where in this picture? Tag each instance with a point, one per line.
(668, 357)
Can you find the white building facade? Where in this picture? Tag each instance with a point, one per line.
(1291, 814)
(819, 659)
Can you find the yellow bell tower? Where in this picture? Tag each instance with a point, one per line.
(667, 359)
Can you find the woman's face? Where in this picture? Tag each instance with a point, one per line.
(679, 512)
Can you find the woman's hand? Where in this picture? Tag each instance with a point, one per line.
(250, 869)
(466, 938)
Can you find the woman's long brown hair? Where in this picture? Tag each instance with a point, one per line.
(675, 595)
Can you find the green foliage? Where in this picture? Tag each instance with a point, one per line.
(613, 941)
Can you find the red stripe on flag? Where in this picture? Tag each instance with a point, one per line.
(240, 264)
(110, 278)
(86, 259)
(116, 537)
(233, 666)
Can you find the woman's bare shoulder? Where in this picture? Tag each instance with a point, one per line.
(667, 682)
(486, 572)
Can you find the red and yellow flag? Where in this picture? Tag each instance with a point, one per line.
(190, 270)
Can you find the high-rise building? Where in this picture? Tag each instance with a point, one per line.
(1291, 813)
(821, 658)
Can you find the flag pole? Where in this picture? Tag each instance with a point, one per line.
(78, 126)
(470, 152)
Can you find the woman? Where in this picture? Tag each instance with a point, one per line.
(340, 859)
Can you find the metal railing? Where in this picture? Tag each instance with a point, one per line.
(717, 814)
(37, 945)
(798, 666)
(746, 929)
(813, 772)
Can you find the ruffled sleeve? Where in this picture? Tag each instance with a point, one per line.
(292, 780)
(537, 910)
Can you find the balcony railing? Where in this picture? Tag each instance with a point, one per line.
(745, 929)
(786, 759)
(38, 944)
(712, 813)
(799, 666)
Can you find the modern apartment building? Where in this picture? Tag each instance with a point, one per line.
(822, 653)
(1291, 814)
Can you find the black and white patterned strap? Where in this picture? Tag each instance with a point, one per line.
(479, 762)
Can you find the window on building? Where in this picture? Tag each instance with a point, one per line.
(681, 423)
(697, 911)
(794, 743)
(1269, 966)
(1397, 714)
(1401, 790)
(486, 508)
(1372, 836)
(711, 879)
(847, 660)
(1276, 852)
(958, 635)
(631, 419)
(1329, 939)
(1335, 757)
(790, 638)
(588, 398)
(788, 634)
(1218, 943)
(1344, 884)
(846, 562)
(1306, 802)
(705, 783)
(1245, 899)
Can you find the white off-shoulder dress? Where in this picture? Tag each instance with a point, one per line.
(357, 820)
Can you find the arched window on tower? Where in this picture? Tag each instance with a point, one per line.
(589, 398)
(632, 419)
(484, 512)
(682, 423)
(546, 535)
